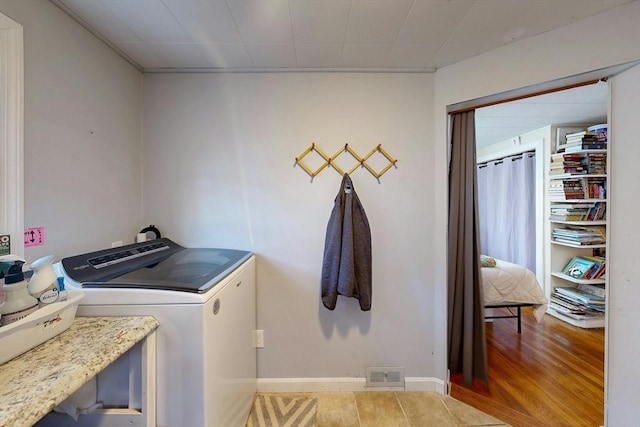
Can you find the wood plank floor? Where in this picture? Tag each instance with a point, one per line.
(550, 375)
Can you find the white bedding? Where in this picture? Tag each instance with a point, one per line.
(507, 282)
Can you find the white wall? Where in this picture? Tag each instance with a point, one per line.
(82, 134)
(219, 170)
(623, 337)
(598, 42)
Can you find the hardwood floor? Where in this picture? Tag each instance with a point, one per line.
(550, 375)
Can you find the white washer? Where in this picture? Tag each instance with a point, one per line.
(204, 300)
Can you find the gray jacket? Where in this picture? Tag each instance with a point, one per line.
(346, 268)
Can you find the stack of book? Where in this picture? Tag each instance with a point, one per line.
(595, 163)
(598, 212)
(577, 188)
(584, 140)
(582, 302)
(578, 211)
(595, 188)
(564, 189)
(579, 163)
(570, 212)
(579, 236)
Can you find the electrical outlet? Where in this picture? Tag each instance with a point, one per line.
(116, 244)
(258, 338)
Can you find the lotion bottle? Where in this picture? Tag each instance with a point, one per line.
(44, 282)
(18, 304)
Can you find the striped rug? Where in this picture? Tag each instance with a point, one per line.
(280, 411)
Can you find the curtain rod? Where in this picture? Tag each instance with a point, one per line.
(511, 156)
(525, 96)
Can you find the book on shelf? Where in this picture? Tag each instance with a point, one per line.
(586, 145)
(589, 187)
(570, 212)
(580, 314)
(585, 267)
(580, 296)
(577, 162)
(577, 267)
(580, 236)
(598, 290)
(595, 188)
(573, 305)
(592, 211)
(597, 212)
(584, 136)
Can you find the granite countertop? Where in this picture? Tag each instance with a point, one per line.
(32, 384)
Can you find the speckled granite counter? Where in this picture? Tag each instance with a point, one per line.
(32, 384)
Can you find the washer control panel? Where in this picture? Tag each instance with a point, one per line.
(108, 264)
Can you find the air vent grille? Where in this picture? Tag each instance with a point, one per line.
(384, 377)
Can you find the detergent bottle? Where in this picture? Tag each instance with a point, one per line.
(17, 301)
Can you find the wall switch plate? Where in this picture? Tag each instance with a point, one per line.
(258, 338)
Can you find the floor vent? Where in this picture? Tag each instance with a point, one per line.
(385, 377)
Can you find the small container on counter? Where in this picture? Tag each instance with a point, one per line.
(44, 284)
(18, 304)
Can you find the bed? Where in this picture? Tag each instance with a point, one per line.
(511, 286)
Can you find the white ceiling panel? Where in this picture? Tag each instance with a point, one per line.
(150, 20)
(388, 34)
(177, 55)
(102, 20)
(262, 21)
(320, 21)
(372, 55)
(376, 21)
(205, 21)
(411, 55)
(432, 21)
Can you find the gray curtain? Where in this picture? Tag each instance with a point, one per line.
(467, 347)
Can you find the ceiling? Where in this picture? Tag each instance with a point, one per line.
(345, 35)
(581, 105)
(246, 35)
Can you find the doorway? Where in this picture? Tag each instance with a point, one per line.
(525, 359)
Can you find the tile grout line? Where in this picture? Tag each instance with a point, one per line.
(355, 402)
(404, 414)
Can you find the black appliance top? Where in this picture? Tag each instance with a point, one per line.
(156, 264)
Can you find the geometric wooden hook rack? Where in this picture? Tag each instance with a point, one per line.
(360, 161)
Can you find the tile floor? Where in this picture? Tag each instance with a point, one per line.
(395, 409)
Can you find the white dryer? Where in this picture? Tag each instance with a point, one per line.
(205, 302)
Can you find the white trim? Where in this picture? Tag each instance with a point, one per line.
(11, 134)
(424, 384)
(312, 385)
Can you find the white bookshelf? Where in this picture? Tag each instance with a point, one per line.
(560, 253)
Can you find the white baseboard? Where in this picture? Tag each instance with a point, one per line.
(314, 385)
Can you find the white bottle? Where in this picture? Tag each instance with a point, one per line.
(44, 282)
(18, 303)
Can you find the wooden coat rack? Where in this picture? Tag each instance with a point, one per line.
(330, 160)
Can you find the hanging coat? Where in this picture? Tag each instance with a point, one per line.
(346, 267)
